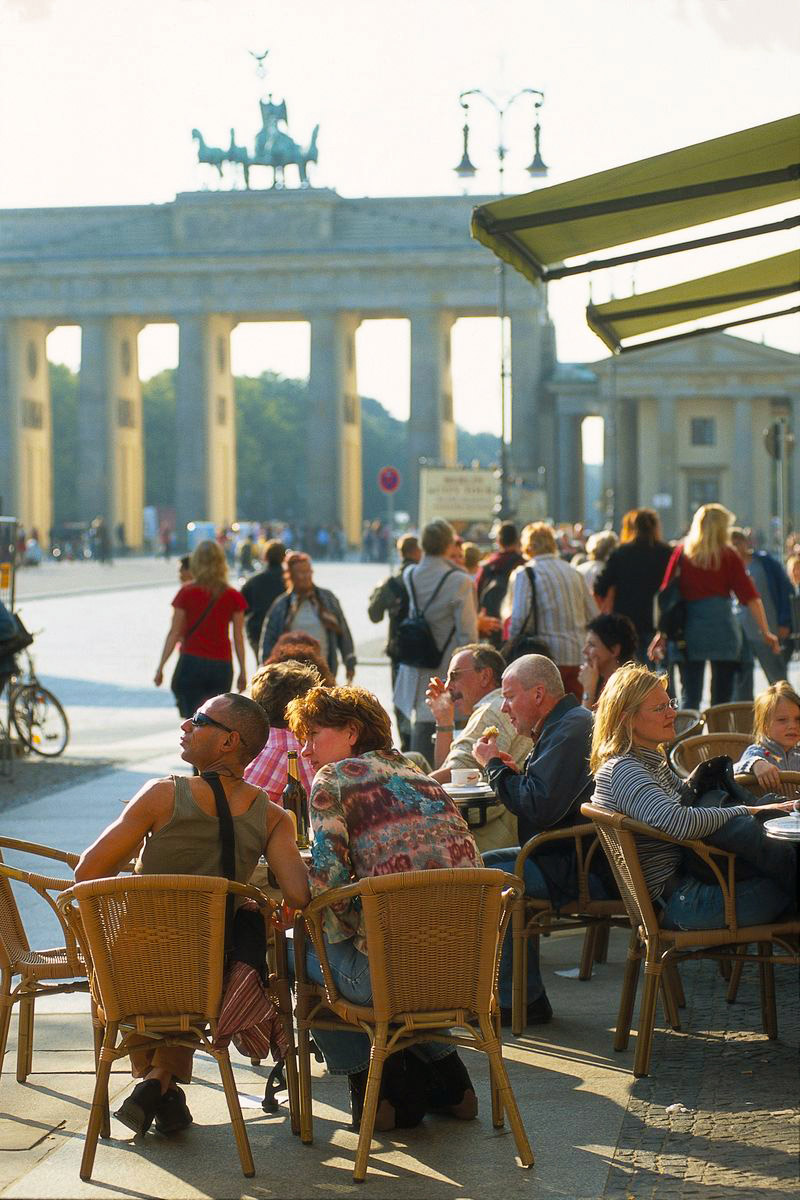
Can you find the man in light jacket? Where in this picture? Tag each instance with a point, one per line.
(309, 609)
(453, 620)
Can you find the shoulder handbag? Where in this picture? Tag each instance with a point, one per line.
(526, 641)
(672, 610)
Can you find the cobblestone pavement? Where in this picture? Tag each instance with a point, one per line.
(740, 1133)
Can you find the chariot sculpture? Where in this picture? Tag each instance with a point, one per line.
(273, 147)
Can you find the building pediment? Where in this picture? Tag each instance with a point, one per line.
(714, 352)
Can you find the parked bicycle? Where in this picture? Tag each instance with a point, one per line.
(35, 713)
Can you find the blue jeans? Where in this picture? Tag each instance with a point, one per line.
(346, 1052)
(556, 874)
(696, 905)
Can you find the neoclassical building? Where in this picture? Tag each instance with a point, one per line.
(684, 425)
(683, 422)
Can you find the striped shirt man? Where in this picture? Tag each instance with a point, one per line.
(642, 785)
(564, 606)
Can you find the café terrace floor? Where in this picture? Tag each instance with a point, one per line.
(717, 1117)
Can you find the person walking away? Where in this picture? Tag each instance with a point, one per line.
(629, 581)
(708, 570)
(493, 576)
(262, 590)
(203, 611)
(563, 603)
(309, 609)
(598, 548)
(390, 598)
(773, 586)
(445, 596)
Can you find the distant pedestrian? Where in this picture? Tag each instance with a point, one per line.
(557, 608)
(494, 574)
(390, 598)
(204, 610)
(631, 577)
(310, 609)
(446, 596)
(598, 547)
(263, 589)
(773, 586)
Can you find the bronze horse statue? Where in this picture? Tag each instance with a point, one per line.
(275, 148)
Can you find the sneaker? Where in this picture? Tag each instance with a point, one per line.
(172, 1112)
(138, 1110)
(539, 1012)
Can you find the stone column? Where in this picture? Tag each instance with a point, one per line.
(431, 428)
(26, 454)
(668, 482)
(627, 454)
(742, 463)
(570, 468)
(334, 425)
(532, 418)
(111, 452)
(205, 467)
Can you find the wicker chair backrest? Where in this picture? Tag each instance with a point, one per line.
(789, 785)
(689, 752)
(156, 943)
(433, 938)
(730, 718)
(622, 853)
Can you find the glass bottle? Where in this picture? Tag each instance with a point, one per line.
(295, 800)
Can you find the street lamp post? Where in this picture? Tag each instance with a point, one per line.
(537, 169)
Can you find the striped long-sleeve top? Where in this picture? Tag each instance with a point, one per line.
(564, 606)
(642, 785)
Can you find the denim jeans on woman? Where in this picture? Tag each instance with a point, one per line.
(345, 1052)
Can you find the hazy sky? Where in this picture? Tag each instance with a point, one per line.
(98, 98)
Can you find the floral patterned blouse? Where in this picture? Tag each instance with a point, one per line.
(378, 815)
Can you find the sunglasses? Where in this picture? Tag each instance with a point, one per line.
(200, 720)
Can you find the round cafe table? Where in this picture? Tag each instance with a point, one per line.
(472, 798)
(785, 828)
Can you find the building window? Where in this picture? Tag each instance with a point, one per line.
(222, 409)
(350, 409)
(701, 489)
(704, 431)
(126, 413)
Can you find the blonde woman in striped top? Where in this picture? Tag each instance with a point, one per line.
(634, 718)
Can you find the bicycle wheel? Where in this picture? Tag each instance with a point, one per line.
(40, 720)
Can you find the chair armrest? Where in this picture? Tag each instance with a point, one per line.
(583, 858)
(43, 885)
(64, 856)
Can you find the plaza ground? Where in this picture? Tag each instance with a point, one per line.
(717, 1117)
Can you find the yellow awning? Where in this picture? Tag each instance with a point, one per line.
(741, 172)
(722, 292)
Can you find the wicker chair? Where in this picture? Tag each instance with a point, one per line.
(156, 947)
(730, 718)
(687, 753)
(434, 942)
(533, 917)
(662, 948)
(57, 970)
(688, 723)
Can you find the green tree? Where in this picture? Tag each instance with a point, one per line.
(160, 439)
(64, 406)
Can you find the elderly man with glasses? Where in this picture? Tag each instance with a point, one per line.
(471, 693)
(171, 826)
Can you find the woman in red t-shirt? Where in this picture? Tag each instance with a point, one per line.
(204, 609)
(708, 570)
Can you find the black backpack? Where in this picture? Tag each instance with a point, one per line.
(494, 585)
(414, 642)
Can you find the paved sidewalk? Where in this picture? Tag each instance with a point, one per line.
(597, 1133)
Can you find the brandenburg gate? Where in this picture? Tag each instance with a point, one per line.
(207, 261)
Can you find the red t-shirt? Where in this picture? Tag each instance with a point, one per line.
(698, 583)
(210, 638)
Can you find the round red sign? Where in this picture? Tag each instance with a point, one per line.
(388, 479)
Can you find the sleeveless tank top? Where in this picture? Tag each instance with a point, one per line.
(190, 844)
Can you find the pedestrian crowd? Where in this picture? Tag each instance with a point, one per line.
(551, 677)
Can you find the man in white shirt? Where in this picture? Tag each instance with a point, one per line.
(472, 691)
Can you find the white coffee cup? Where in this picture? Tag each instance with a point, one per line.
(464, 776)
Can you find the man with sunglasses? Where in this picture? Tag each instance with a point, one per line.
(171, 827)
